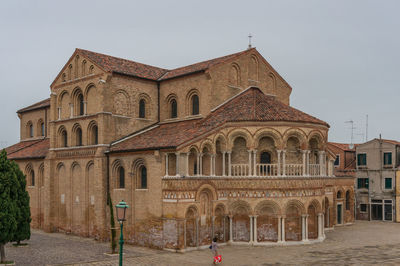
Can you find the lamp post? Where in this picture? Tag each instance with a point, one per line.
(121, 211)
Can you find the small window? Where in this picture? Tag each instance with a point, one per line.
(195, 105)
(32, 175)
(31, 131)
(143, 177)
(339, 194)
(362, 183)
(362, 159)
(121, 177)
(363, 207)
(387, 158)
(79, 137)
(174, 109)
(95, 135)
(64, 140)
(142, 108)
(337, 160)
(388, 183)
(81, 104)
(42, 129)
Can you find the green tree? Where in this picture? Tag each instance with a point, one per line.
(112, 223)
(8, 203)
(24, 212)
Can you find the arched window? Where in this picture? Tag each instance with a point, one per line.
(195, 105)
(64, 138)
(142, 108)
(81, 104)
(347, 200)
(121, 177)
(32, 177)
(78, 137)
(42, 128)
(339, 194)
(265, 158)
(30, 130)
(95, 135)
(174, 109)
(143, 177)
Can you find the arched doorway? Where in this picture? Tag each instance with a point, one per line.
(267, 224)
(205, 217)
(327, 212)
(191, 227)
(221, 226)
(312, 222)
(293, 224)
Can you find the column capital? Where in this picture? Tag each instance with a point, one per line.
(321, 152)
(304, 215)
(304, 151)
(278, 151)
(177, 153)
(254, 151)
(230, 216)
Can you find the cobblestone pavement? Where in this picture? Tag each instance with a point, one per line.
(364, 243)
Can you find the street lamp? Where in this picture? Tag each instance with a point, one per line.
(121, 211)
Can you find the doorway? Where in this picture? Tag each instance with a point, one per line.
(339, 214)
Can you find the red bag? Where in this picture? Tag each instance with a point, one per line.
(217, 259)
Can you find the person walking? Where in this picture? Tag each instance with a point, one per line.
(214, 248)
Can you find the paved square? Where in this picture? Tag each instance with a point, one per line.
(361, 244)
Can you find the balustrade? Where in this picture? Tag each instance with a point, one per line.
(294, 169)
(314, 169)
(266, 169)
(240, 170)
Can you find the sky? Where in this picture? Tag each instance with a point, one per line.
(341, 58)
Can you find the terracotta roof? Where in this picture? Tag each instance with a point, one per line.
(29, 149)
(123, 66)
(395, 142)
(250, 105)
(200, 66)
(38, 105)
(127, 67)
(342, 146)
(21, 145)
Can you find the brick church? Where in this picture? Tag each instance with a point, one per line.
(209, 149)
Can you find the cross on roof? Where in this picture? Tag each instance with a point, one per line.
(250, 36)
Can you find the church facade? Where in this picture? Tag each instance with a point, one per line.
(210, 149)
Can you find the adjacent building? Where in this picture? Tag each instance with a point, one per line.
(345, 158)
(209, 149)
(377, 164)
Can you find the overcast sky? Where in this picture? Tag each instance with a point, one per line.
(341, 58)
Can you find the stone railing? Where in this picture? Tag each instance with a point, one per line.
(294, 169)
(314, 169)
(240, 170)
(266, 169)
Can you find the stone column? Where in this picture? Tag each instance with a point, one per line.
(212, 226)
(197, 232)
(303, 228)
(249, 172)
(201, 164)
(187, 164)
(251, 229)
(177, 154)
(223, 163)
(321, 164)
(279, 162)
(166, 164)
(198, 164)
(279, 229)
(255, 229)
(304, 162)
(254, 162)
(184, 234)
(308, 162)
(284, 162)
(320, 228)
(230, 229)
(211, 164)
(229, 163)
(323, 225)
(306, 222)
(283, 229)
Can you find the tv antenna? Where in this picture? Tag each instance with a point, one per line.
(352, 132)
(250, 36)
